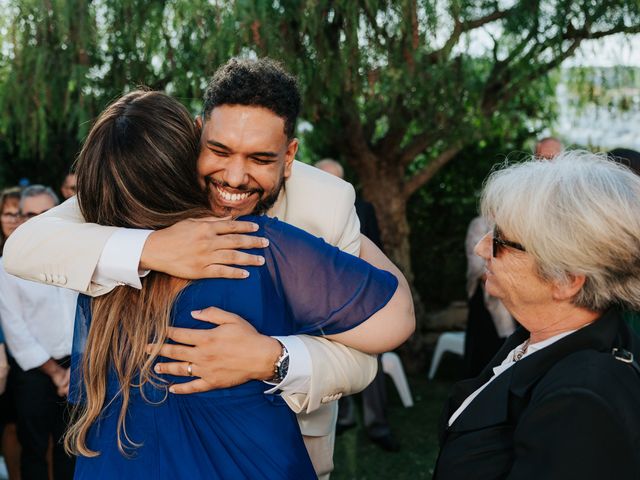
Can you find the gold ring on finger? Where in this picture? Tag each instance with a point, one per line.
(190, 369)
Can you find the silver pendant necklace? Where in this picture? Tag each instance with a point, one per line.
(518, 354)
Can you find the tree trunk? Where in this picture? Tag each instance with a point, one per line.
(383, 186)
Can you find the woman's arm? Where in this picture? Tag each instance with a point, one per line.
(390, 326)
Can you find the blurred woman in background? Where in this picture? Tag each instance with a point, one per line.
(10, 220)
(10, 208)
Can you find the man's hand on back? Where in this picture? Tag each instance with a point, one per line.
(225, 356)
(202, 248)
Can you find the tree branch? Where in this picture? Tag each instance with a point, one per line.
(415, 147)
(423, 176)
(373, 21)
(461, 27)
(584, 34)
(492, 17)
(391, 140)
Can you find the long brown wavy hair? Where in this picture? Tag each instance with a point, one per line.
(137, 169)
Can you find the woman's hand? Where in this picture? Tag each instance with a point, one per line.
(202, 248)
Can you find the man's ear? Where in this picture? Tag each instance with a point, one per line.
(290, 156)
(199, 122)
(569, 288)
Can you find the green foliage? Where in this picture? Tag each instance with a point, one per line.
(396, 88)
(616, 88)
(43, 102)
(401, 70)
(63, 61)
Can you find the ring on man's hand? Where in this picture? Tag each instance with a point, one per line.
(190, 369)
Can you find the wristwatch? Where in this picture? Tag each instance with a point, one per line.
(281, 367)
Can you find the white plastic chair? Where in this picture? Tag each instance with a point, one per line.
(447, 342)
(3, 470)
(392, 366)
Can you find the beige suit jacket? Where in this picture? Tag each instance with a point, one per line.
(59, 248)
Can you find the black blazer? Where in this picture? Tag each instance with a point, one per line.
(569, 411)
(368, 221)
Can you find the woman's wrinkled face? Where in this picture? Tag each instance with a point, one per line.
(10, 216)
(512, 276)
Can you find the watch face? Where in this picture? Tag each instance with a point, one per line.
(284, 367)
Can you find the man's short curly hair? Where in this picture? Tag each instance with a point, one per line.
(260, 83)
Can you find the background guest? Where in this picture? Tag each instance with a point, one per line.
(374, 397)
(547, 148)
(68, 187)
(10, 208)
(629, 158)
(38, 325)
(10, 447)
(488, 321)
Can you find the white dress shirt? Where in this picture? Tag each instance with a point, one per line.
(119, 262)
(37, 320)
(504, 366)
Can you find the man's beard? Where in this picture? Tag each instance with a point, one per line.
(264, 204)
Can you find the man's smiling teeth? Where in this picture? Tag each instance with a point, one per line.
(232, 197)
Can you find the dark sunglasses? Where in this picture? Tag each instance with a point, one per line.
(499, 243)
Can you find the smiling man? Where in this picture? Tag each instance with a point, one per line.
(241, 176)
(247, 164)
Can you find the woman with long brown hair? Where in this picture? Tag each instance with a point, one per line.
(137, 169)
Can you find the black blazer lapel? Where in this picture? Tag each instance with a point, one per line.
(464, 388)
(490, 407)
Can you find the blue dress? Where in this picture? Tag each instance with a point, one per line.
(306, 286)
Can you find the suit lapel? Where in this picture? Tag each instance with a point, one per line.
(463, 389)
(490, 407)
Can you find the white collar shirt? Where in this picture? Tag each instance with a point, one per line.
(37, 320)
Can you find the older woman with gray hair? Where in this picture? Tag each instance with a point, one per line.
(561, 399)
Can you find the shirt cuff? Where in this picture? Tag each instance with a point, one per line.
(121, 257)
(298, 376)
(30, 358)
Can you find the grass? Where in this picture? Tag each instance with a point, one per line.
(416, 428)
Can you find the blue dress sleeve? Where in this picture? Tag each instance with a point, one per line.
(326, 290)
